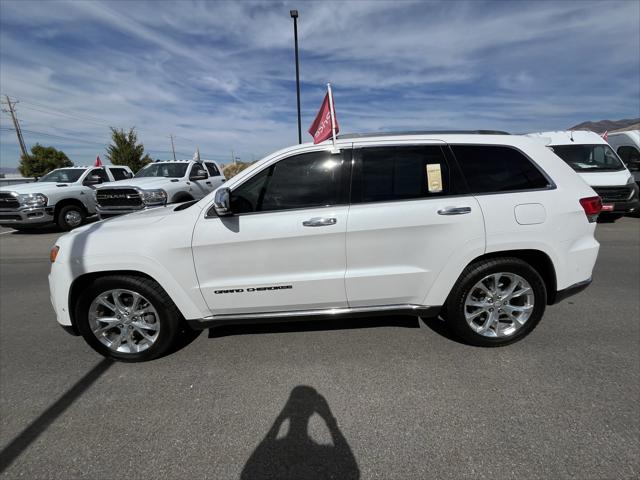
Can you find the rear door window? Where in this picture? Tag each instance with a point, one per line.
(213, 170)
(119, 173)
(384, 174)
(496, 168)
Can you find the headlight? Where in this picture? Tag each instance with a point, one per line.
(631, 180)
(33, 199)
(154, 197)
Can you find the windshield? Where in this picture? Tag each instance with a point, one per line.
(169, 170)
(63, 175)
(590, 158)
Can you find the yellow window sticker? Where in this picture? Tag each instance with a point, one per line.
(434, 177)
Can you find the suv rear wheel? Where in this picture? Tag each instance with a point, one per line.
(496, 302)
(128, 318)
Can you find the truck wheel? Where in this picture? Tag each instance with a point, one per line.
(496, 302)
(70, 217)
(127, 318)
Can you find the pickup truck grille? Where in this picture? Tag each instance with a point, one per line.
(118, 197)
(614, 194)
(8, 201)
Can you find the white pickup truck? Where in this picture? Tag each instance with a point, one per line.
(63, 196)
(158, 184)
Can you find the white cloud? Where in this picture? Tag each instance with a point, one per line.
(219, 75)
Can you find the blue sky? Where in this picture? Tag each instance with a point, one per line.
(220, 75)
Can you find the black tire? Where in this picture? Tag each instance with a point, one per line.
(61, 221)
(455, 305)
(171, 321)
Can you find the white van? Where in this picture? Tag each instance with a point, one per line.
(598, 165)
(627, 146)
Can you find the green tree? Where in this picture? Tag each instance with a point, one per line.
(42, 160)
(125, 150)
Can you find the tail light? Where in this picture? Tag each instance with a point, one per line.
(592, 207)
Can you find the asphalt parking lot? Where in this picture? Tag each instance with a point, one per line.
(383, 398)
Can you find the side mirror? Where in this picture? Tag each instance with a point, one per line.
(222, 202)
(199, 174)
(92, 180)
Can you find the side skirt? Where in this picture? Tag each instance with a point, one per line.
(316, 314)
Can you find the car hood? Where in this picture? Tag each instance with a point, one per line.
(143, 182)
(606, 179)
(36, 187)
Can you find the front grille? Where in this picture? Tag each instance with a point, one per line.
(119, 198)
(8, 201)
(614, 194)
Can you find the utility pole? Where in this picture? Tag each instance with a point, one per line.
(233, 157)
(173, 148)
(16, 126)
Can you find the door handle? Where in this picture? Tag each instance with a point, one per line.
(454, 210)
(319, 222)
(208, 183)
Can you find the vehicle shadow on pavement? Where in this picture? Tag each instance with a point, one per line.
(294, 454)
(313, 325)
(30, 434)
(439, 326)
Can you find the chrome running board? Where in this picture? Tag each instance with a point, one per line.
(313, 314)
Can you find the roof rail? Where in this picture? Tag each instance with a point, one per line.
(423, 132)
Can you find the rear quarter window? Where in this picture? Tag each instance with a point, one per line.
(495, 168)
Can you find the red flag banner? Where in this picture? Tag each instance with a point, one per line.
(320, 129)
(98, 162)
(605, 135)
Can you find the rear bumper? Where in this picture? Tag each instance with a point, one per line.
(24, 217)
(570, 291)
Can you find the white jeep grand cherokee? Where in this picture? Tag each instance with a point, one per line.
(485, 229)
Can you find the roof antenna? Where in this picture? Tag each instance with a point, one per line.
(571, 132)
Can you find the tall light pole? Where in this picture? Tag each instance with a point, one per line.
(294, 15)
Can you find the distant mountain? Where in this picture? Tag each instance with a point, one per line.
(6, 170)
(608, 125)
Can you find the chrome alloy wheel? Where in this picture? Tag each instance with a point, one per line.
(73, 218)
(499, 304)
(124, 321)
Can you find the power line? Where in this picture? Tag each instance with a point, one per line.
(52, 135)
(50, 109)
(89, 142)
(62, 114)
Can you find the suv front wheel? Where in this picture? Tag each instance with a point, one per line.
(496, 302)
(127, 318)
